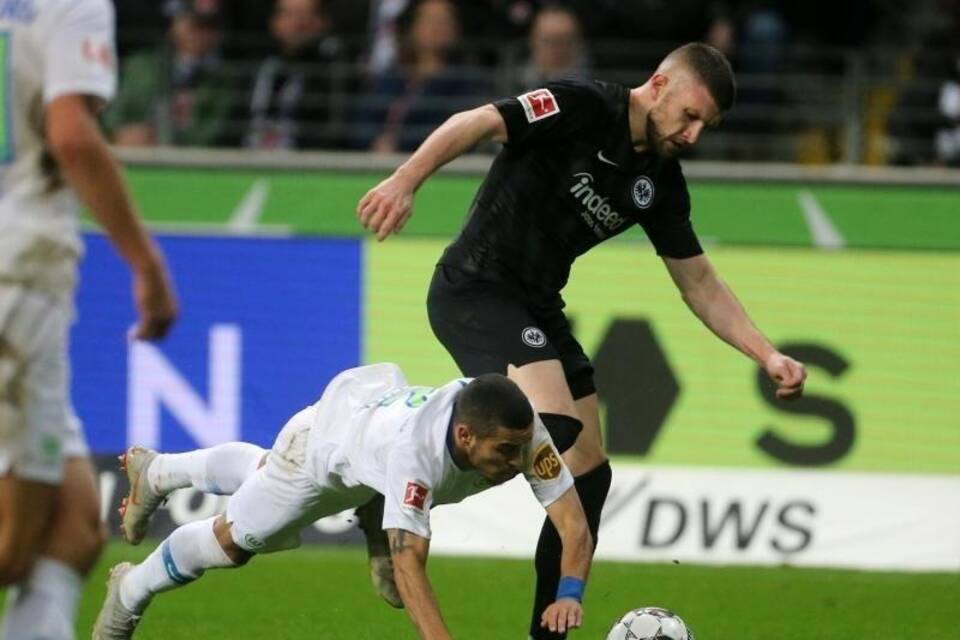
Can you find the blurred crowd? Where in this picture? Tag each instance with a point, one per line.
(381, 74)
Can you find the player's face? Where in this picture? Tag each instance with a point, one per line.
(500, 456)
(678, 117)
(296, 23)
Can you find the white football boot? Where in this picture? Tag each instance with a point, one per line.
(138, 506)
(115, 621)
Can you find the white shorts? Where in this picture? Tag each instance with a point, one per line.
(38, 428)
(272, 506)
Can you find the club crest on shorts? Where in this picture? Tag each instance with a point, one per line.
(546, 463)
(643, 192)
(533, 337)
(415, 495)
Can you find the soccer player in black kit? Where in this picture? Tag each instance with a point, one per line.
(581, 162)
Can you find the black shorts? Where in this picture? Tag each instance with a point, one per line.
(488, 325)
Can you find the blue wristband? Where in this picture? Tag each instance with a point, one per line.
(570, 587)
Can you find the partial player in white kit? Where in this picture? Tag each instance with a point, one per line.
(57, 68)
(371, 432)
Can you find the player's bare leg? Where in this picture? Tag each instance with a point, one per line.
(77, 533)
(53, 536)
(545, 384)
(26, 509)
(588, 452)
(153, 476)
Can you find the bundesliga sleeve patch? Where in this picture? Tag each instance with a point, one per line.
(546, 463)
(538, 104)
(415, 495)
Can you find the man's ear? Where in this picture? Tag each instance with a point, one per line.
(464, 435)
(658, 84)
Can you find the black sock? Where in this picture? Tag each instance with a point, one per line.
(563, 429)
(370, 521)
(592, 488)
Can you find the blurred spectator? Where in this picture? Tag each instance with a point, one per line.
(383, 34)
(176, 93)
(426, 86)
(947, 139)
(633, 35)
(137, 28)
(556, 48)
(763, 37)
(924, 127)
(290, 107)
(500, 19)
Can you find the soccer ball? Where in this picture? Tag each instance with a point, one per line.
(650, 623)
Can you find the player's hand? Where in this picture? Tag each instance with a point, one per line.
(386, 207)
(788, 373)
(564, 614)
(155, 300)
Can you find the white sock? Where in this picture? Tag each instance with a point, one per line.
(220, 470)
(179, 560)
(45, 604)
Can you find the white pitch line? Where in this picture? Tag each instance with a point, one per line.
(248, 210)
(825, 235)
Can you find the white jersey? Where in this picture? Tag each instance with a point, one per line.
(48, 48)
(372, 429)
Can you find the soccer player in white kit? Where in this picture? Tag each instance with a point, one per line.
(371, 432)
(58, 68)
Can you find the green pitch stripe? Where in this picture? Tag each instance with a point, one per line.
(726, 213)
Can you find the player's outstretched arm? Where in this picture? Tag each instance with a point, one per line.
(387, 207)
(717, 307)
(409, 552)
(85, 159)
(567, 516)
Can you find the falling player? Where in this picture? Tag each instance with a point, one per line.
(370, 433)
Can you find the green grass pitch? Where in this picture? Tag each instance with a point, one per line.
(324, 593)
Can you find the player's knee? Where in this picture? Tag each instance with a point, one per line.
(77, 537)
(237, 554)
(582, 458)
(90, 540)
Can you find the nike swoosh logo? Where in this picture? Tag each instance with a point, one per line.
(606, 160)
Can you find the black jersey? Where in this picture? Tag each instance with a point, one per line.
(567, 179)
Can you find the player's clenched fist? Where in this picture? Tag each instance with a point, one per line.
(564, 614)
(788, 374)
(387, 207)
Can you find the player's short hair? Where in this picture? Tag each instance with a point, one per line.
(490, 401)
(712, 69)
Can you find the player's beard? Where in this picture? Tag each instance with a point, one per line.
(656, 141)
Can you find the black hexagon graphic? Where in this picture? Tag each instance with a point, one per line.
(635, 381)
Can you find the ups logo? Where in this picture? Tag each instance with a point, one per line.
(546, 464)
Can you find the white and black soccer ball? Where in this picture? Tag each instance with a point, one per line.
(650, 623)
